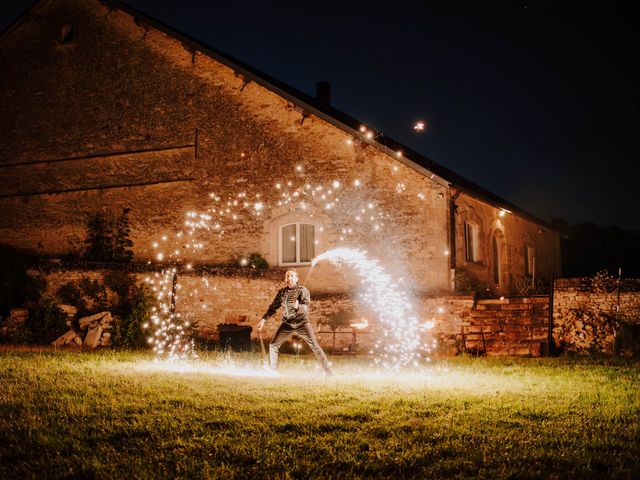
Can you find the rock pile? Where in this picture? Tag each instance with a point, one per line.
(95, 330)
(16, 318)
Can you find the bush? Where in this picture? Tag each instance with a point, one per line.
(465, 281)
(119, 282)
(14, 281)
(70, 294)
(127, 328)
(257, 261)
(46, 324)
(108, 237)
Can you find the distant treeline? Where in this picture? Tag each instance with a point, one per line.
(587, 248)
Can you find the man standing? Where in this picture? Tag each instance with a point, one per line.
(294, 300)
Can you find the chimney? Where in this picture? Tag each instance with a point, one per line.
(323, 93)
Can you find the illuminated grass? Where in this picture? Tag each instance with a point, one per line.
(105, 415)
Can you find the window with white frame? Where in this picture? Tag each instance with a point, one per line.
(529, 260)
(297, 243)
(471, 240)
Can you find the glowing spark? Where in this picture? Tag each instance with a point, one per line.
(399, 322)
(419, 126)
(363, 324)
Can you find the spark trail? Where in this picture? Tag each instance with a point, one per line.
(401, 343)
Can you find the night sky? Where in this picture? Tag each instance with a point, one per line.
(537, 103)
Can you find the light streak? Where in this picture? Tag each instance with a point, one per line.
(298, 193)
(400, 343)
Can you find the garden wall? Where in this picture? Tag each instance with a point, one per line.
(586, 317)
(214, 296)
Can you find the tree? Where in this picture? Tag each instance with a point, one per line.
(108, 237)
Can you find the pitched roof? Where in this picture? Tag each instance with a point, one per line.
(311, 105)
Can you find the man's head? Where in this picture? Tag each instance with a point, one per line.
(291, 278)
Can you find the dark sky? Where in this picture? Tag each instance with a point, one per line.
(537, 102)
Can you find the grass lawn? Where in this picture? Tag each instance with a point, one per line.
(120, 414)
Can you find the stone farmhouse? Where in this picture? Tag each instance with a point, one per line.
(106, 108)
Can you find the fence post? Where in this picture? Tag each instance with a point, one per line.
(550, 344)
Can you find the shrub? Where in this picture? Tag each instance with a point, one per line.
(14, 281)
(119, 282)
(108, 237)
(127, 328)
(46, 324)
(257, 261)
(465, 281)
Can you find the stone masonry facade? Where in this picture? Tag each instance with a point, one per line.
(103, 111)
(587, 320)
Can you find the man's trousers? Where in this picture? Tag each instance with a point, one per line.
(305, 332)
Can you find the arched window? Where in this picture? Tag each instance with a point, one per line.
(496, 261)
(296, 244)
(529, 260)
(472, 242)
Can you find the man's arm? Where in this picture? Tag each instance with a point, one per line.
(304, 300)
(275, 305)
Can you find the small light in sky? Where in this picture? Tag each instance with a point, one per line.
(419, 126)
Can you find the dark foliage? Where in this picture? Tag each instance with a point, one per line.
(588, 248)
(16, 287)
(108, 237)
(135, 311)
(120, 282)
(46, 324)
(257, 261)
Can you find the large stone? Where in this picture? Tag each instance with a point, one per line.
(69, 310)
(93, 337)
(64, 338)
(96, 318)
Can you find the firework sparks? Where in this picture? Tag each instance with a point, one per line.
(342, 198)
(400, 344)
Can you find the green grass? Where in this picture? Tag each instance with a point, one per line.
(114, 415)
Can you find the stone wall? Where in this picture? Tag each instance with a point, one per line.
(242, 296)
(513, 234)
(587, 320)
(124, 116)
